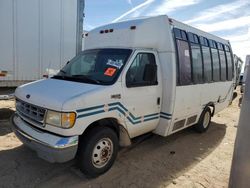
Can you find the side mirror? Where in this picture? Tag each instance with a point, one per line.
(150, 72)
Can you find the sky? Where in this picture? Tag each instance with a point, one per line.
(229, 19)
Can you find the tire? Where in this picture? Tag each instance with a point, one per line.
(204, 121)
(97, 151)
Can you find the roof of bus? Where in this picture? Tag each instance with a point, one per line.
(144, 32)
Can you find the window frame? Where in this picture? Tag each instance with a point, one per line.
(228, 50)
(221, 48)
(204, 42)
(213, 45)
(185, 39)
(198, 43)
(192, 38)
(141, 84)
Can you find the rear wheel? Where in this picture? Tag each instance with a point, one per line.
(97, 151)
(204, 121)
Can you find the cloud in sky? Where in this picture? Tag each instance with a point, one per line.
(165, 6)
(240, 43)
(241, 49)
(130, 3)
(239, 38)
(223, 19)
(215, 12)
(225, 24)
(168, 6)
(137, 8)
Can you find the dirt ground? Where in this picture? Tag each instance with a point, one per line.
(185, 159)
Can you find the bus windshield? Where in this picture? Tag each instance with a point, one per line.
(99, 66)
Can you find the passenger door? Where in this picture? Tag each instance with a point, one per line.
(142, 92)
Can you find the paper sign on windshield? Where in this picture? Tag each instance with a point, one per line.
(117, 63)
(110, 71)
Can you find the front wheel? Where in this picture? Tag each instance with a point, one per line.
(97, 151)
(204, 121)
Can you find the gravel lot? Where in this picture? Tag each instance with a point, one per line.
(185, 159)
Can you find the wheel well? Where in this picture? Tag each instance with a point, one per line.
(211, 106)
(121, 132)
(107, 122)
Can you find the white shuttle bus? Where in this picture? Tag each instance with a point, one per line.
(145, 75)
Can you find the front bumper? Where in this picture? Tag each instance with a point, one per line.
(50, 147)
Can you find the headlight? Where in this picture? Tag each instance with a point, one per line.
(53, 118)
(64, 120)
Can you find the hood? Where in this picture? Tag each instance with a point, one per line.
(53, 93)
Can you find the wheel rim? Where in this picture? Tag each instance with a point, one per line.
(102, 152)
(206, 119)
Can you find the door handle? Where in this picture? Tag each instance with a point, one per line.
(116, 96)
(158, 101)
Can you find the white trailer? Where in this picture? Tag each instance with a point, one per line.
(145, 75)
(37, 38)
(245, 72)
(238, 69)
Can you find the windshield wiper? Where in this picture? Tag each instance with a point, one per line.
(84, 77)
(76, 78)
(58, 76)
(62, 71)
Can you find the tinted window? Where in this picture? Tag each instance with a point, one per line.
(220, 46)
(135, 73)
(223, 67)
(184, 63)
(212, 44)
(197, 63)
(207, 64)
(183, 35)
(180, 34)
(227, 48)
(216, 65)
(229, 66)
(204, 41)
(196, 40)
(191, 37)
(177, 33)
(100, 66)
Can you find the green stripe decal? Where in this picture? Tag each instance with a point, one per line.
(165, 117)
(91, 108)
(117, 106)
(166, 114)
(90, 114)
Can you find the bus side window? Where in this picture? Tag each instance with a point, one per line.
(207, 64)
(216, 60)
(184, 72)
(229, 63)
(223, 66)
(216, 65)
(196, 58)
(184, 62)
(223, 69)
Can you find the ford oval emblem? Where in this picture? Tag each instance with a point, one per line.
(28, 96)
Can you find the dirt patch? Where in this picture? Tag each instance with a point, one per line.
(185, 159)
